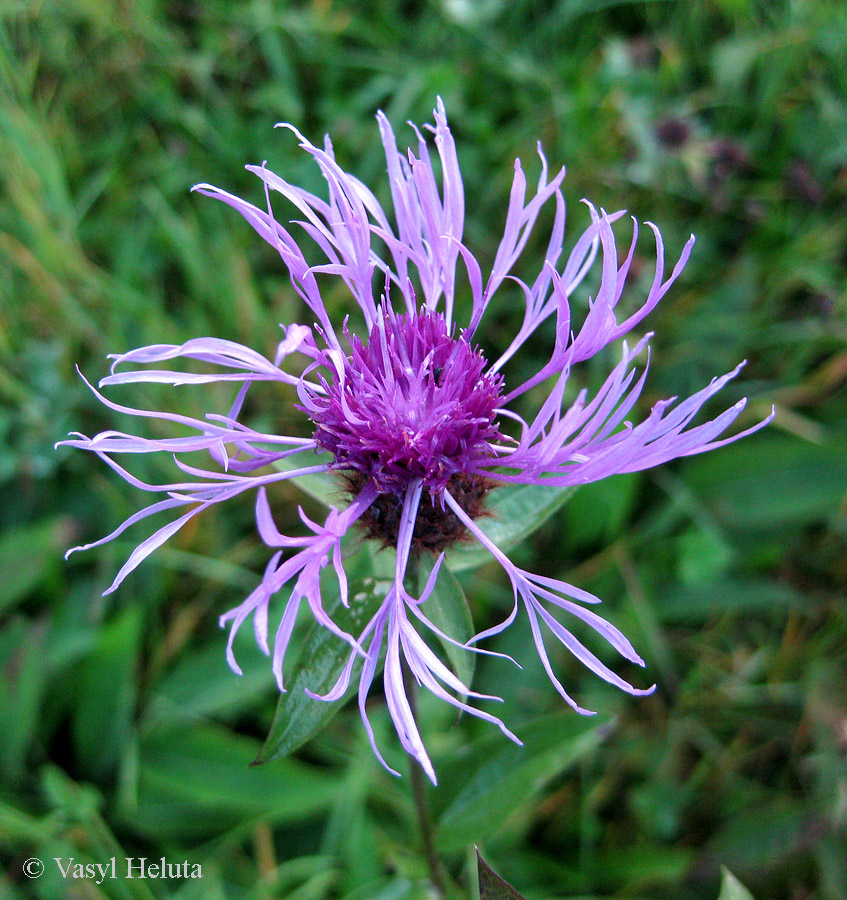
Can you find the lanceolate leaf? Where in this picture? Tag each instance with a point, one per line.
(516, 511)
(491, 885)
(323, 656)
(325, 487)
(732, 888)
(494, 777)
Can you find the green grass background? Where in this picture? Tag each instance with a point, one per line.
(123, 732)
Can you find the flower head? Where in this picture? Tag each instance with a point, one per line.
(418, 423)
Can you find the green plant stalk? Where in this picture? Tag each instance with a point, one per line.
(416, 772)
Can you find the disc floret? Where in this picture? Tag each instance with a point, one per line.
(413, 402)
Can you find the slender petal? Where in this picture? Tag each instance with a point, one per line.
(409, 412)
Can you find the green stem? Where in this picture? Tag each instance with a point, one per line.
(416, 772)
(421, 800)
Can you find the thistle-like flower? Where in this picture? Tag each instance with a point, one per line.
(418, 423)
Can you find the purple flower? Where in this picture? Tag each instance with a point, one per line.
(412, 415)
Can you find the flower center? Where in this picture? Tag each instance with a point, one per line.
(414, 402)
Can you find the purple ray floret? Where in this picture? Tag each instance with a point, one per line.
(418, 423)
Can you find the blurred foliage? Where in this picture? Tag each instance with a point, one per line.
(123, 731)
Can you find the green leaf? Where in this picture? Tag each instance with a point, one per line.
(766, 834)
(703, 554)
(323, 486)
(201, 684)
(447, 608)
(598, 512)
(732, 888)
(81, 830)
(516, 511)
(646, 862)
(203, 777)
(29, 554)
(736, 596)
(734, 58)
(771, 482)
(298, 716)
(491, 885)
(103, 721)
(21, 825)
(495, 777)
(22, 690)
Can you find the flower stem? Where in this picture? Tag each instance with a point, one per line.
(416, 772)
(421, 801)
